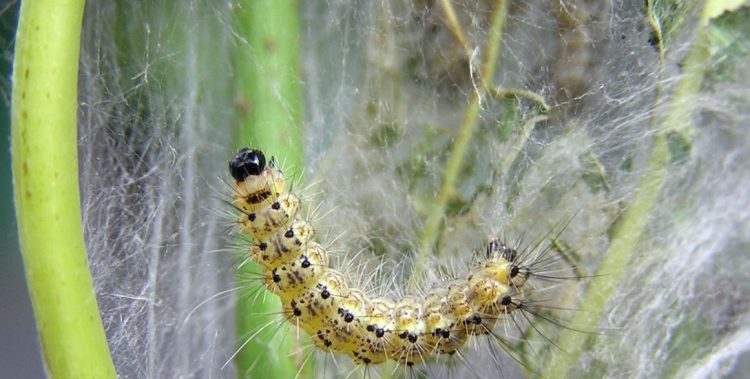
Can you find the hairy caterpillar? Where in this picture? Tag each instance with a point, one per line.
(341, 319)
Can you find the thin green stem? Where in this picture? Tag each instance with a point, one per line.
(514, 92)
(658, 37)
(624, 241)
(453, 25)
(519, 143)
(269, 106)
(45, 172)
(461, 142)
(632, 224)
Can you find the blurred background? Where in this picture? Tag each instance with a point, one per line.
(19, 350)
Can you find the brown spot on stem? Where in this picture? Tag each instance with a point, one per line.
(270, 44)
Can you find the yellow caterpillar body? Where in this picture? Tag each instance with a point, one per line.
(341, 319)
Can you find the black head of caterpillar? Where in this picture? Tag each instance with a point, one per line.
(258, 184)
(247, 162)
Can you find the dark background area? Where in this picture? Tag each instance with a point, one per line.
(19, 348)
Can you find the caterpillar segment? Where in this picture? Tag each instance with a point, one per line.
(442, 332)
(319, 300)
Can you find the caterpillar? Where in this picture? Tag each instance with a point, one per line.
(319, 300)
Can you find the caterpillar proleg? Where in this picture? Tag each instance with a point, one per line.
(342, 319)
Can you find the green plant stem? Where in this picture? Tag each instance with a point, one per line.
(655, 24)
(630, 227)
(625, 238)
(461, 143)
(45, 178)
(269, 107)
(269, 97)
(517, 93)
(453, 25)
(520, 141)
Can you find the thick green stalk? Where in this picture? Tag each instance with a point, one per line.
(269, 99)
(45, 178)
(269, 105)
